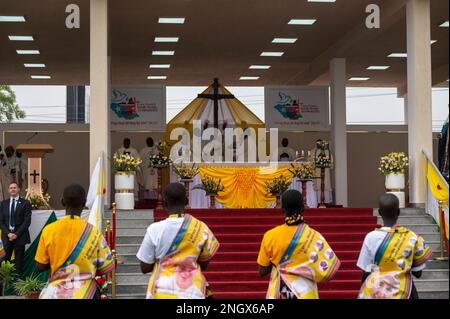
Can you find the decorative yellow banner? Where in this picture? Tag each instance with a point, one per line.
(245, 187)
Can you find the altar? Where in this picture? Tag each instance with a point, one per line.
(244, 185)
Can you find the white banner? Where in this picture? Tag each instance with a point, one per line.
(141, 108)
(292, 108)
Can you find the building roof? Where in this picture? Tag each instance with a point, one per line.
(219, 39)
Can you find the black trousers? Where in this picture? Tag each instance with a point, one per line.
(19, 255)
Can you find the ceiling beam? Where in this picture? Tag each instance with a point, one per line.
(439, 75)
(391, 12)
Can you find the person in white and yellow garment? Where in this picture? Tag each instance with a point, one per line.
(176, 251)
(391, 256)
(296, 256)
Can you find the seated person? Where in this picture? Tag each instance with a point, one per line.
(390, 255)
(74, 251)
(176, 251)
(297, 256)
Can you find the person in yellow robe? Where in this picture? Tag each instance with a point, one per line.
(74, 251)
(390, 256)
(297, 256)
(176, 251)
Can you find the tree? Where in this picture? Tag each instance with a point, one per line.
(9, 110)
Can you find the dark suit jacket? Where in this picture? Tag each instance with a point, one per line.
(22, 220)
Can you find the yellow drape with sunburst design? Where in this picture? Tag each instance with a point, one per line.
(245, 187)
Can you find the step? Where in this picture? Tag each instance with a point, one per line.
(129, 238)
(416, 219)
(435, 274)
(138, 213)
(407, 212)
(134, 223)
(434, 294)
(422, 228)
(430, 284)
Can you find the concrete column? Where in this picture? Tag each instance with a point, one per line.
(420, 135)
(338, 80)
(99, 80)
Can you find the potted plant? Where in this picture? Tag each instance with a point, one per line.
(212, 187)
(393, 166)
(277, 188)
(37, 201)
(186, 174)
(29, 287)
(305, 172)
(7, 275)
(125, 167)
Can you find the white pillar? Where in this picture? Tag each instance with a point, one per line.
(338, 80)
(99, 80)
(419, 94)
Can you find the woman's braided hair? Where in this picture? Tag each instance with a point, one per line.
(293, 207)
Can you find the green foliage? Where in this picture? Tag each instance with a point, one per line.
(278, 186)
(7, 275)
(23, 287)
(211, 185)
(9, 110)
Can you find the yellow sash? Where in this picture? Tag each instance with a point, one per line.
(75, 279)
(400, 250)
(307, 261)
(177, 275)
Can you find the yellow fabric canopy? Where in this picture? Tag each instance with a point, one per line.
(245, 187)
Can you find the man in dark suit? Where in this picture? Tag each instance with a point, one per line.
(15, 219)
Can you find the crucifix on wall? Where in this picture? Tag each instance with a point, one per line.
(216, 97)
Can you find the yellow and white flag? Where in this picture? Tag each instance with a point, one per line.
(95, 196)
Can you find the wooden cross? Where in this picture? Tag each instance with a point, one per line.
(216, 97)
(34, 176)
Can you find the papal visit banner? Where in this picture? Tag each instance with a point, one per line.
(138, 108)
(292, 108)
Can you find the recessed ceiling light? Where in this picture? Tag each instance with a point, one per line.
(444, 24)
(259, 67)
(284, 40)
(302, 21)
(433, 41)
(20, 38)
(398, 55)
(359, 78)
(163, 53)
(276, 54)
(41, 77)
(157, 77)
(12, 19)
(321, 0)
(34, 65)
(28, 52)
(172, 20)
(159, 66)
(167, 39)
(249, 78)
(378, 67)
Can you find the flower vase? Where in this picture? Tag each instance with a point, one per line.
(395, 184)
(187, 183)
(124, 186)
(278, 201)
(159, 205)
(212, 199)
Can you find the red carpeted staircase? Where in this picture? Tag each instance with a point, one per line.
(233, 273)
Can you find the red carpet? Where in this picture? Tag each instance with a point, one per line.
(233, 273)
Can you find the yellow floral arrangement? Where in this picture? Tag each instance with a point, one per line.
(186, 172)
(211, 185)
(125, 163)
(37, 202)
(394, 163)
(303, 170)
(278, 186)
